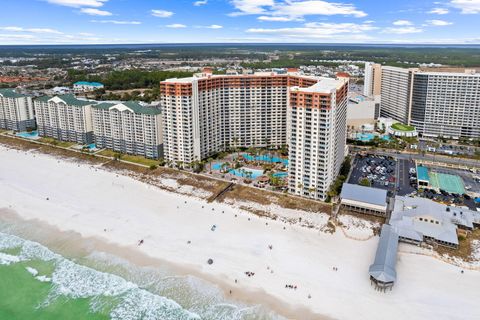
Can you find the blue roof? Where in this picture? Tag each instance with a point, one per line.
(422, 173)
(86, 83)
(384, 266)
(364, 194)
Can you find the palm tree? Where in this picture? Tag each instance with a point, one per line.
(209, 160)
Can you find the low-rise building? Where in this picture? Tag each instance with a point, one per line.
(85, 86)
(128, 127)
(364, 199)
(64, 118)
(16, 111)
(418, 220)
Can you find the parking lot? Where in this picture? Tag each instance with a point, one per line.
(379, 170)
(407, 177)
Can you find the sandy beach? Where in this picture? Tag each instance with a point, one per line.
(186, 232)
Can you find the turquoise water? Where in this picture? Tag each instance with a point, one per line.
(280, 174)
(366, 137)
(238, 172)
(36, 283)
(28, 135)
(265, 158)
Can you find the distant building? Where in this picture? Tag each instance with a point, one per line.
(373, 79)
(437, 101)
(64, 118)
(84, 86)
(16, 111)
(383, 270)
(363, 199)
(128, 127)
(418, 220)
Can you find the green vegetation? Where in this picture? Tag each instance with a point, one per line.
(336, 187)
(365, 182)
(130, 158)
(55, 142)
(402, 127)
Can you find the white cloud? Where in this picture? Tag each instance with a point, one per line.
(402, 23)
(467, 6)
(295, 8)
(214, 26)
(78, 3)
(116, 21)
(200, 3)
(439, 11)
(321, 30)
(402, 30)
(439, 23)
(176, 26)
(278, 19)
(95, 12)
(32, 30)
(16, 36)
(86, 34)
(251, 6)
(161, 13)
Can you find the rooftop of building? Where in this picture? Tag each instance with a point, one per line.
(383, 267)
(11, 93)
(324, 85)
(130, 106)
(364, 194)
(204, 75)
(415, 217)
(68, 99)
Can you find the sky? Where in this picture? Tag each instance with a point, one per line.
(26, 22)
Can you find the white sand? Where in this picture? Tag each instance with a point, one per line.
(88, 200)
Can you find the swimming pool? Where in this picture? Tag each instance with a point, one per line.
(238, 172)
(366, 137)
(281, 175)
(265, 158)
(242, 172)
(28, 135)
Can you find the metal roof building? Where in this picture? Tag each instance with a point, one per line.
(364, 199)
(418, 219)
(382, 272)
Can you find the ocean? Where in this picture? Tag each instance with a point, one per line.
(38, 283)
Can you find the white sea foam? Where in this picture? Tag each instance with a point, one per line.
(43, 279)
(32, 271)
(7, 259)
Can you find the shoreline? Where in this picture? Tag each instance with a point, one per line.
(79, 197)
(78, 246)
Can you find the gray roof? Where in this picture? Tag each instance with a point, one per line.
(364, 194)
(132, 105)
(415, 217)
(383, 267)
(10, 93)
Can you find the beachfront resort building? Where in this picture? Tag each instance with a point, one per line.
(85, 86)
(64, 118)
(16, 111)
(436, 101)
(128, 127)
(206, 114)
(418, 220)
(317, 117)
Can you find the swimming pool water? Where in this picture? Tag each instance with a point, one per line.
(366, 137)
(265, 158)
(280, 174)
(28, 135)
(238, 172)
